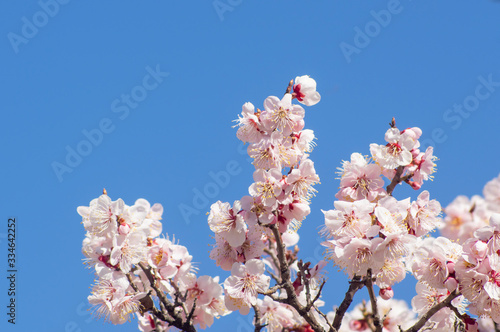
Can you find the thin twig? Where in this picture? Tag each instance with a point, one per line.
(331, 329)
(275, 261)
(317, 296)
(175, 320)
(257, 324)
(288, 285)
(289, 87)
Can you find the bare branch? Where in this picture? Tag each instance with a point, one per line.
(373, 302)
(291, 298)
(174, 319)
(355, 284)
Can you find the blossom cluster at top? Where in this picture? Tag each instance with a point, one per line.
(372, 233)
(369, 229)
(280, 195)
(134, 266)
(466, 215)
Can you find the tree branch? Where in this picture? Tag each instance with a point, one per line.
(373, 301)
(257, 324)
(291, 299)
(175, 320)
(396, 180)
(421, 322)
(355, 284)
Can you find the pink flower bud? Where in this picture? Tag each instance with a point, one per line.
(451, 284)
(451, 267)
(124, 229)
(480, 249)
(415, 185)
(358, 325)
(386, 293)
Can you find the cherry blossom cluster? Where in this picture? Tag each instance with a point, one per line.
(136, 268)
(478, 270)
(372, 236)
(278, 200)
(466, 215)
(370, 231)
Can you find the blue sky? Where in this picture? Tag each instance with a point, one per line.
(435, 65)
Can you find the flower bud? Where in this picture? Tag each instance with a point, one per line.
(124, 229)
(451, 284)
(450, 266)
(358, 325)
(386, 293)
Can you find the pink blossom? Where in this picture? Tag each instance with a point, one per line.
(267, 185)
(463, 217)
(249, 125)
(491, 192)
(360, 255)
(423, 216)
(396, 152)
(423, 166)
(281, 115)
(100, 215)
(302, 179)
(228, 222)
(305, 90)
(255, 211)
(348, 219)
(269, 152)
(246, 281)
(360, 180)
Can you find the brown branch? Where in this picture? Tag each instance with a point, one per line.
(176, 320)
(190, 316)
(289, 87)
(258, 325)
(129, 278)
(396, 180)
(272, 290)
(355, 284)
(373, 302)
(421, 322)
(331, 329)
(317, 296)
(291, 298)
(275, 261)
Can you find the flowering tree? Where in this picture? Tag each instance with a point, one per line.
(371, 235)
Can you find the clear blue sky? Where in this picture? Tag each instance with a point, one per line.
(71, 75)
